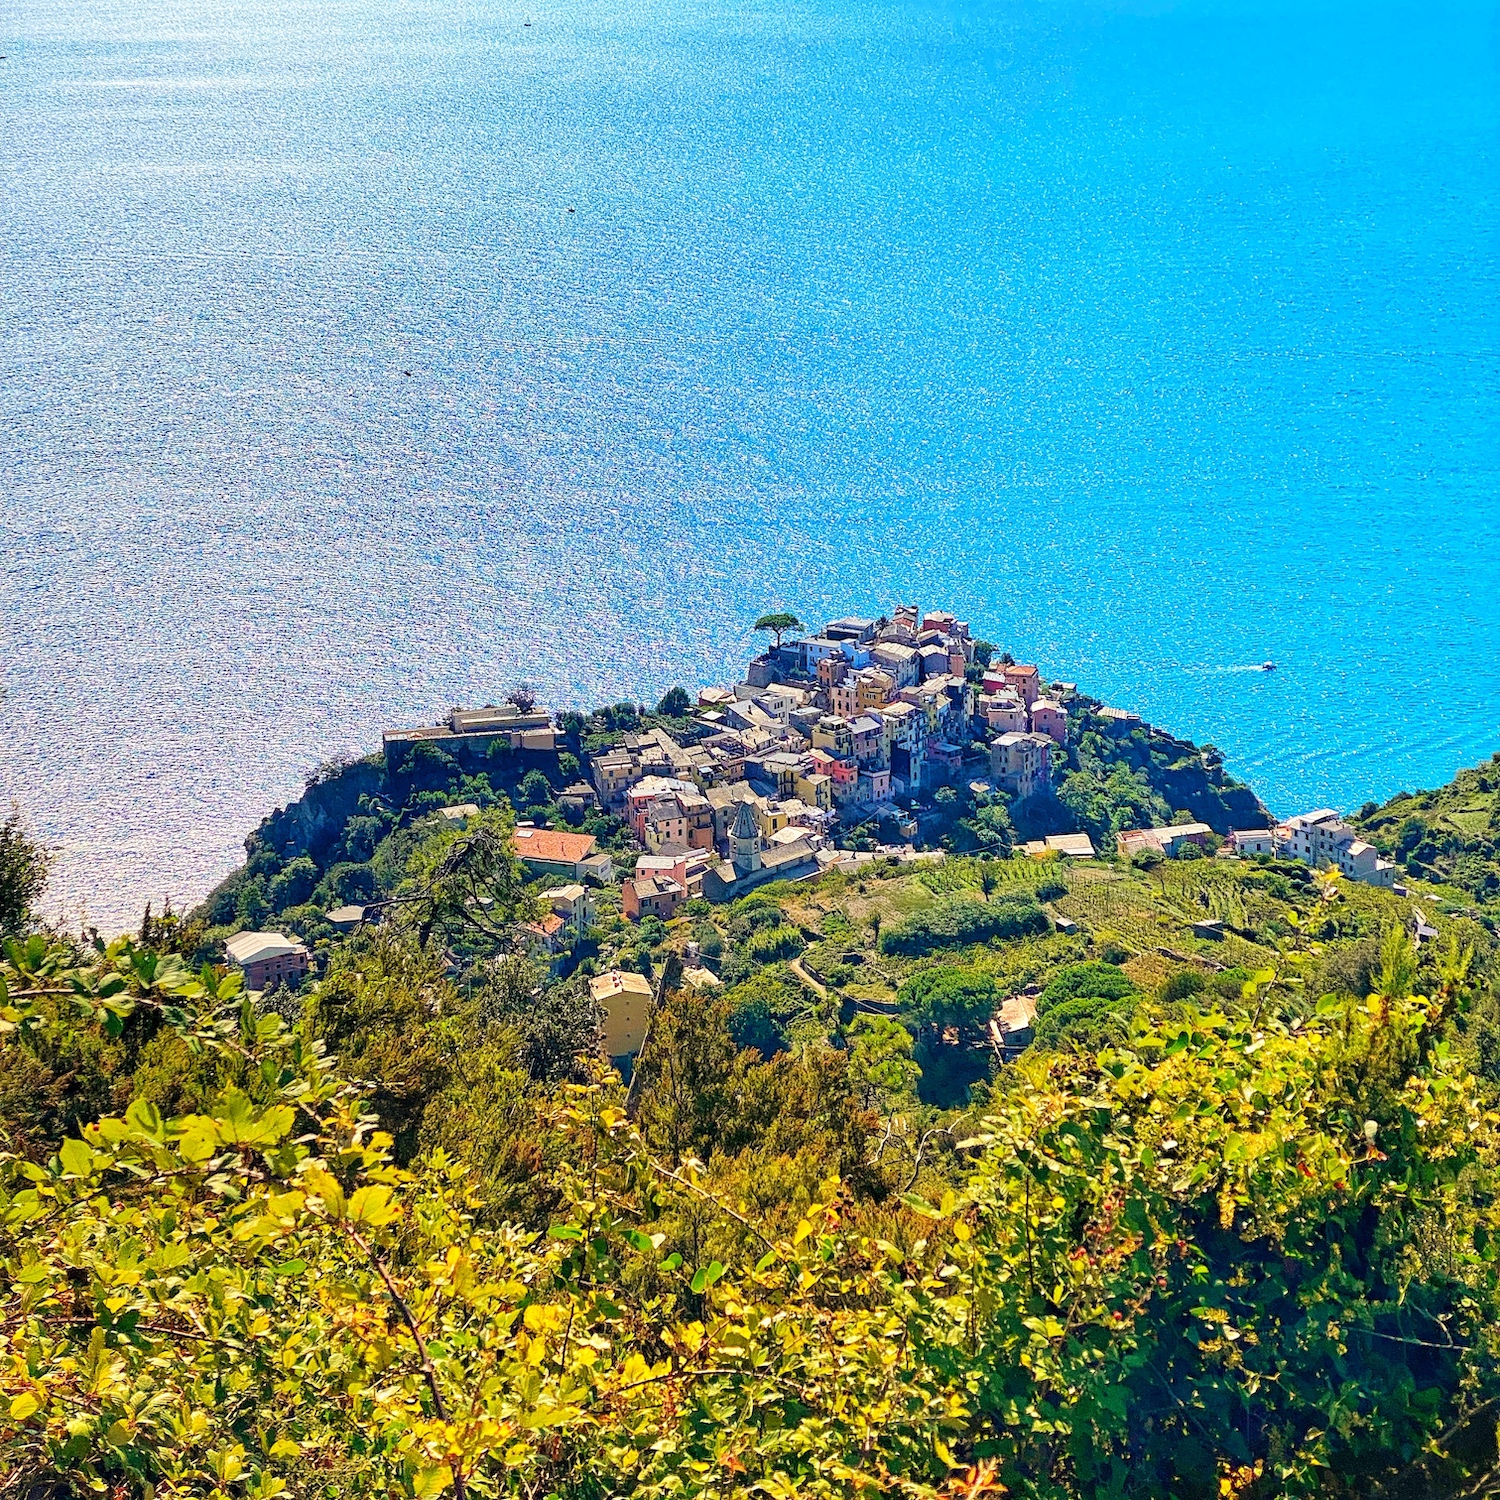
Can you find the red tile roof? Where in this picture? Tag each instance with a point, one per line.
(552, 845)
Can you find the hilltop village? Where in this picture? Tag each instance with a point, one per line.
(902, 740)
(857, 727)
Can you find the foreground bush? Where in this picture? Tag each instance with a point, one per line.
(1221, 1260)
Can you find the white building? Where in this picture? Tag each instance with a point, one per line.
(1322, 838)
(1253, 840)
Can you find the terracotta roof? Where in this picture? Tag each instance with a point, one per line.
(552, 845)
(548, 925)
(1018, 1013)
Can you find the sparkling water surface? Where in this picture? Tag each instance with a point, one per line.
(360, 357)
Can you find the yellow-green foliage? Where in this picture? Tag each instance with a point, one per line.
(1233, 1256)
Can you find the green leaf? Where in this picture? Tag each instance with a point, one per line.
(638, 1241)
(240, 1125)
(371, 1205)
(705, 1276)
(76, 1158)
(146, 1117)
(198, 1139)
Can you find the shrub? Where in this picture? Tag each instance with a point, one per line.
(251, 907)
(361, 835)
(294, 884)
(1094, 980)
(535, 790)
(963, 921)
(761, 1007)
(223, 902)
(1182, 984)
(1085, 1023)
(772, 943)
(1229, 984)
(949, 996)
(753, 918)
(751, 1024)
(346, 882)
(636, 960)
(1245, 1308)
(710, 944)
(1053, 888)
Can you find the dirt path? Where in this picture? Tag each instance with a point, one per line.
(819, 990)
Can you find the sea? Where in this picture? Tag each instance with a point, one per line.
(362, 358)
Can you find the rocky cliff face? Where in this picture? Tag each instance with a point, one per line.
(1187, 782)
(315, 821)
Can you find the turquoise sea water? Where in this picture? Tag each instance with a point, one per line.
(360, 357)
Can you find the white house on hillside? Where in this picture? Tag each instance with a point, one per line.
(1323, 838)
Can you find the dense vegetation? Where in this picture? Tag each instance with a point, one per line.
(1228, 1227)
(1450, 836)
(962, 921)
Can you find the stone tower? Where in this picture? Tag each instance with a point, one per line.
(744, 841)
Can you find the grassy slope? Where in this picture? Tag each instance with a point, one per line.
(1276, 919)
(1450, 836)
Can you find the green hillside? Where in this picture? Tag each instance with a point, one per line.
(1450, 836)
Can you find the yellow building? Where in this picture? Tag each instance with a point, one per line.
(770, 817)
(624, 999)
(873, 689)
(816, 791)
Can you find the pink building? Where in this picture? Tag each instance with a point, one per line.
(550, 935)
(844, 772)
(868, 738)
(269, 959)
(1051, 719)
(823, 764)
(832, 670)
(645, 791)
(1026, 680)
(651, 896)
(1004, 712)
(1021, 764)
